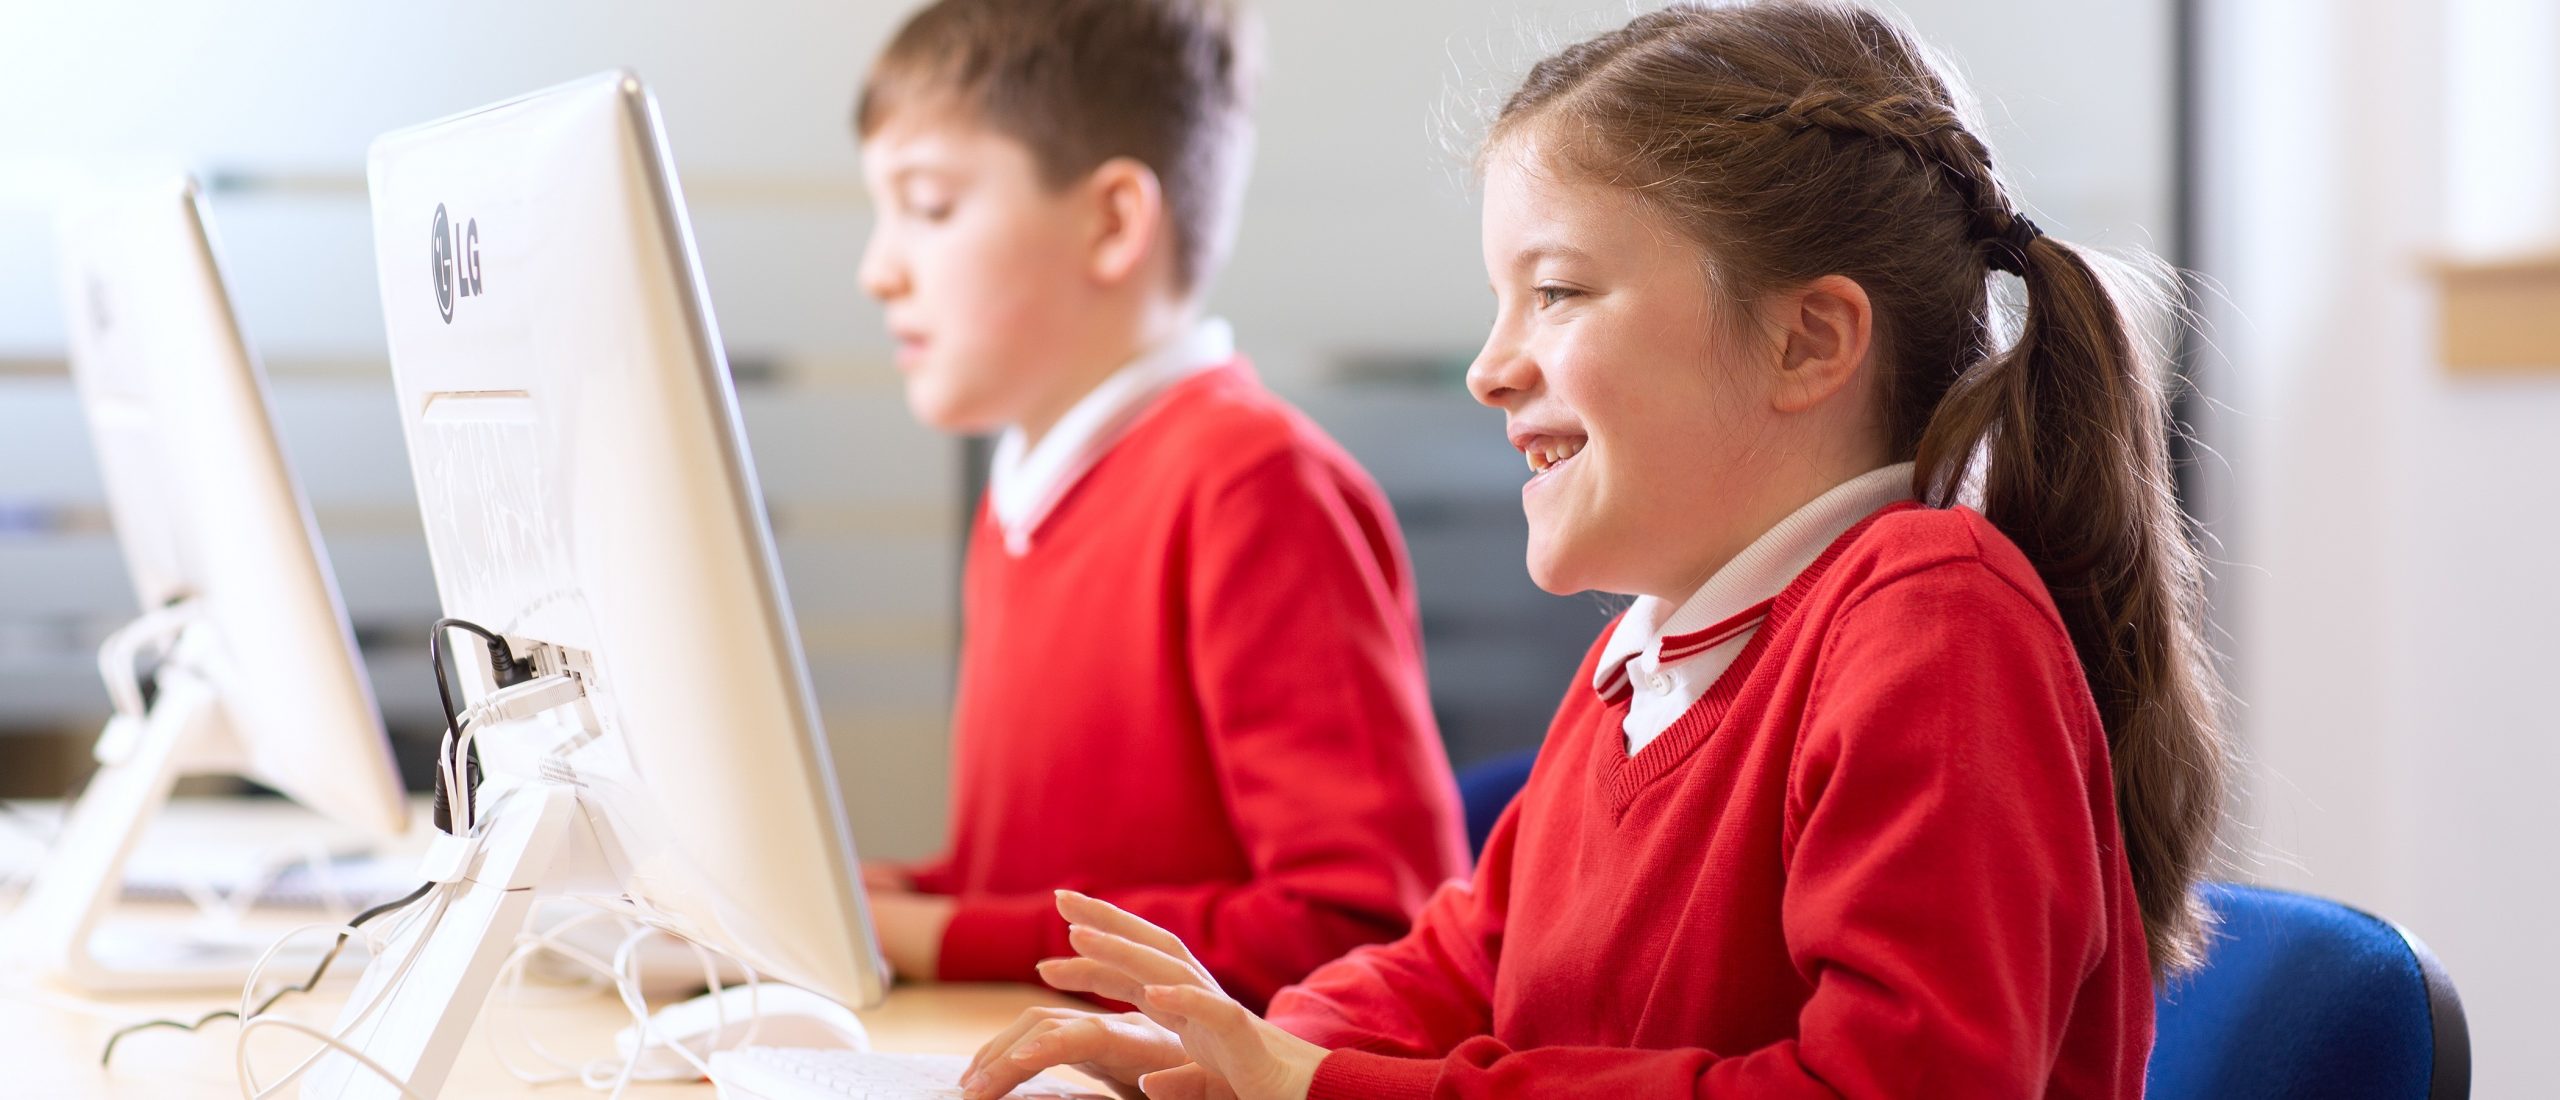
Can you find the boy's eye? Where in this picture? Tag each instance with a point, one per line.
(1550, 295)
(930, 203)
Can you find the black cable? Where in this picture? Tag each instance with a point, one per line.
(504, 668)
(307, 985)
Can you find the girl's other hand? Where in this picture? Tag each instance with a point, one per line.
(1116, 1049)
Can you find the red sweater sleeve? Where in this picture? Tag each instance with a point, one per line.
(1945, 891)
(1424, 993)
(1306, 661)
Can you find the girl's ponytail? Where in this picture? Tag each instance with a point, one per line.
(2064, 436)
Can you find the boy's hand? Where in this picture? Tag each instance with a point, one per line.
(881, 877)
(1232, 1050)
(910, 928)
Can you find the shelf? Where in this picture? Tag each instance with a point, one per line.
(2500, 316)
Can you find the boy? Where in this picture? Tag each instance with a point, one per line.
(1191, 674)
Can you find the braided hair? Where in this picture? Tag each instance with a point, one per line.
(1792, 139)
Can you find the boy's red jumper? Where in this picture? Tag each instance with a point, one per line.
(1199, 695)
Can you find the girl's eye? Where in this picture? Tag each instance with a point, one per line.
(1550, 295)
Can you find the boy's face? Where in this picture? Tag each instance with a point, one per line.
(980, 267)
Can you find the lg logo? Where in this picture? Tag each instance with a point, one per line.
(457, 257)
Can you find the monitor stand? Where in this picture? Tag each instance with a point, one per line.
(421, 993)
(61, 925)
(539, 834)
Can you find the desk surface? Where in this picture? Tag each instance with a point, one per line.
(50, 1036)
(51, 1039)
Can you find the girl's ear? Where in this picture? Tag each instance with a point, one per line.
(1825, 329)
(1128, 206)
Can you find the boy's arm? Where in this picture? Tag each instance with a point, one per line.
(1305, 661)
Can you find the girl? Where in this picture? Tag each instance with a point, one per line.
(1871, 792)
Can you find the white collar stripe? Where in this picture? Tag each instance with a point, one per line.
(1684, 645)
(1676, 652)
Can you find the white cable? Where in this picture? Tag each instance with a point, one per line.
(627, 983)
(332, 1042)
(251, 1090)
(453, 773)
(249, 988)
(625, 977)
(439, 900)
(512, 703)
(510, 983)
(249, 1086)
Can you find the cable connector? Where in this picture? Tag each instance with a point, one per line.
(457, 775)
(525, 700)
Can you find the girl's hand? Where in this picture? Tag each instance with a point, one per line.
(1117, 1050)
(1234, 1052)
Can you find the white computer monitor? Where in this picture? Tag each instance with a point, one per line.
(242, 662)
(587, 495)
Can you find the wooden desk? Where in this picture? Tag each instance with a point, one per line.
(50, 1039)
(50, 1036)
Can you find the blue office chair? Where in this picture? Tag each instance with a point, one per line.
(1487, 786)
(2303, 997)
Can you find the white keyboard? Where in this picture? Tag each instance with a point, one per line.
(792, 1073)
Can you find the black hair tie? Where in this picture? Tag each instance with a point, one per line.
(2009, 246)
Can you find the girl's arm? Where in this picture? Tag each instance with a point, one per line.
(1948, 891)
(1419, 996)
(1427, 992)
(1948, 898)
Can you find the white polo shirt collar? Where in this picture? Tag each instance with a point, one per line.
(1662, 658)
(1025, 484)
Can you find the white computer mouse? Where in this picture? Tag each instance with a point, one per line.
(783, 1015)
(668, 966)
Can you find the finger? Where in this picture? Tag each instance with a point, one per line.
(1146, 964)
(1082, 975)
(1015, 1032)
(1097, 913)
(1069, 1042)
(992, 1054)
(1188, 1082)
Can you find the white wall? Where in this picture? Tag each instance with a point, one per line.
(2387, 577)
(1360, 241)
(1361, 233)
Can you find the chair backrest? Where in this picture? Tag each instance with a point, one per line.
(1486, 787)
(2302, 996)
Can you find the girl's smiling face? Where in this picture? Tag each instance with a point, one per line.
(1660, 443)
